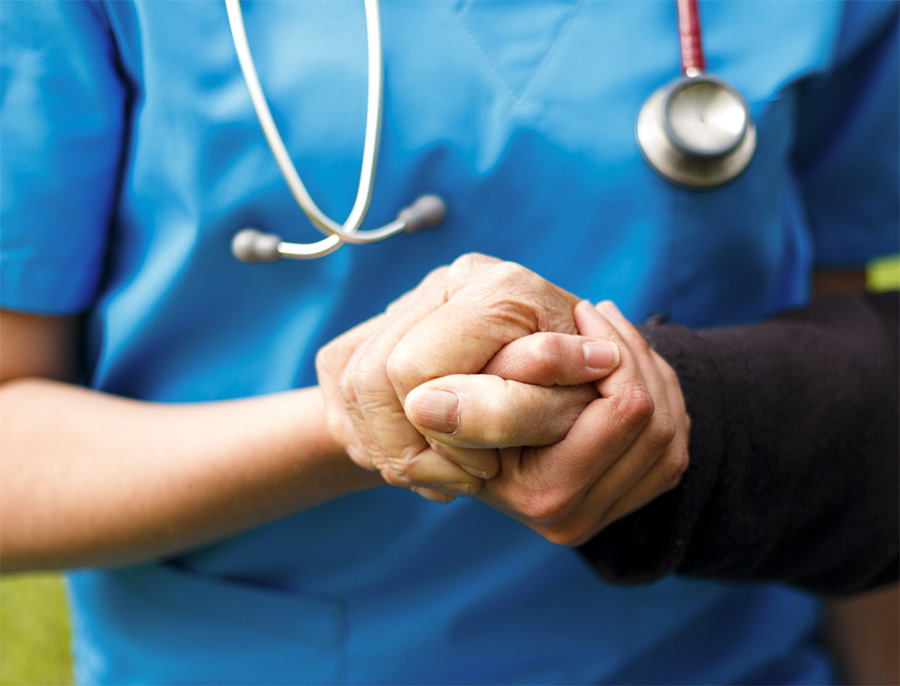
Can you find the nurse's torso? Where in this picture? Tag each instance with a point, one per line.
(521, 115)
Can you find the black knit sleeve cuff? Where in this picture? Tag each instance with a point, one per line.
(652, 542)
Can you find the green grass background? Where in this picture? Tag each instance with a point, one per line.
(884, 274)
(34, 630)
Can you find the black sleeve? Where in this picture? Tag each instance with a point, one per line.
(794, 454)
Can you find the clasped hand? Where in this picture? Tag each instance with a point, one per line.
(487, 380)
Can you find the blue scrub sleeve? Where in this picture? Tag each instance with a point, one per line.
(62, 106)
(847, 153)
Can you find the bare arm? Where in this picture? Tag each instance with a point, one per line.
(863, 630)
(93, 479)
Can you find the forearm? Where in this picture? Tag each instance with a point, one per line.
(91, 479)
(794, 457)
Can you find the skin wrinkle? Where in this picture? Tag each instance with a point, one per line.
(492, 402)
(562, 502)
(458, 324)
(540, 494)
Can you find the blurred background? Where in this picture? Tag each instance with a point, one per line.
(34, 628)
(34, 631)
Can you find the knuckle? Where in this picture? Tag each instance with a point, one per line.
(518, 281)
(367, 377)
(661, 431)
(548, 346)
(434, 279)
(464, 265)
(569, 535)
(547, 350)
(637, 407)
(508, 311)
(495, 424)
(674, 466)
(548, 507)
(397, 307)
(347, 389)
(325, 361)
(404, 369)
(511, 271)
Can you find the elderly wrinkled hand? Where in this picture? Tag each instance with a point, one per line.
(454, 323)
(626, 447)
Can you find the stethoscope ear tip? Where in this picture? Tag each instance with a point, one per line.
(426, 212)
(250, 245)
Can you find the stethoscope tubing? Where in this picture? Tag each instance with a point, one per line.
(675, 158)
(693, 61)
(337, 233)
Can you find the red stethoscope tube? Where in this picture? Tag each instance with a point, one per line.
(692, 60)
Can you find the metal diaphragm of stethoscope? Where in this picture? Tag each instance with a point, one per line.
(696, 132)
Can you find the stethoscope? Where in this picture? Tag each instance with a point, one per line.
(696, 132)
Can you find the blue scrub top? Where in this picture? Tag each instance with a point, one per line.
(131, 155)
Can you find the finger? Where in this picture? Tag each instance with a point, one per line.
(554, 359)
(481, 462)
(664, 473)
(607, 321)
(663, 476)
(431, 470)
(654, 441)
(484, 411)
(331, 361)
(569, 517)
(431, 494)
(591, 324)
(667, 472)
(644, 371)
(506, 303)
(547, 488)
(545, 485)
(386, 435)
(618, 456)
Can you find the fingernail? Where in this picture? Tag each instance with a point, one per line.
(457, 489)
(432, 495)
(601, 354)
(474, 471)
(434, 410)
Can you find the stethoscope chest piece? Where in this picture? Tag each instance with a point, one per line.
(697, 132)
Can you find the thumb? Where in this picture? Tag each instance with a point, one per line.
(554, 359)
(484, 411)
